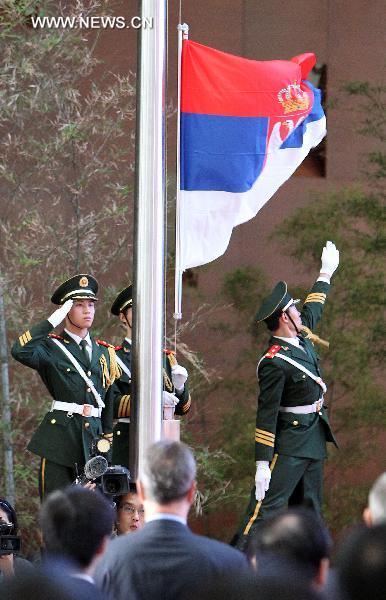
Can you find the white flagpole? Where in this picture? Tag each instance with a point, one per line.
(149, 236)
(183, 33)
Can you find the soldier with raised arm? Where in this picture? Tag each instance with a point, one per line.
(292, 425)
(78, 372)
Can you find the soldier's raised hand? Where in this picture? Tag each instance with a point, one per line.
(58, 316)
(330, 259)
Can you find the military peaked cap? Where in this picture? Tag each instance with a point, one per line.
(279, 299)
(122, 301)
(79, 287)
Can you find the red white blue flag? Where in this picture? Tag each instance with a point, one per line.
(246, 126)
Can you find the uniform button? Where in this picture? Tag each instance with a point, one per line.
(89, 373)
(68, 370)
(295, 423)
(304, 376)
(320, 412)
(88, 390)
(117, 433)
(53, 421)
(87, 425)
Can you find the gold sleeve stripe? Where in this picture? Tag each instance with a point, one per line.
(186, 406)
(264, 437)
(263, 441)
(121, 403)
(316, 298)
(25, 338)
(126, 406)
(316, 295)
(267, 434)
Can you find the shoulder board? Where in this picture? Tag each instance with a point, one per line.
(272, 351)
(55, 336)
(168, 352)
(106, 344)
(118, 347)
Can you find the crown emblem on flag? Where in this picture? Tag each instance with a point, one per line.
(293, 98)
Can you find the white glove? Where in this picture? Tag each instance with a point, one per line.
(169, 399)
(330, 259)
(179, 376)
(262, 479)
(58, 316)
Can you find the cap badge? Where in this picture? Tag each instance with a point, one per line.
(83, 282)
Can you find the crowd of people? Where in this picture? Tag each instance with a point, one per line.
(140, 546)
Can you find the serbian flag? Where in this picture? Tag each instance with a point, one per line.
(245, 127)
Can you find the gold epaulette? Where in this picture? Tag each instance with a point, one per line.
(109, 376)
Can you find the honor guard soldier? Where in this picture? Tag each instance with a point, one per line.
(175, 394)
(78, 372)
(292, 424)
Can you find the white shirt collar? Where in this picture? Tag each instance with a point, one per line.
(293, 340)
(83, 576)
(78, 339)
(128, 340)
(166, 517)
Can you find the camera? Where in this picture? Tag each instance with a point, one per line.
(115, 482)
(9, 544)
(111, 481)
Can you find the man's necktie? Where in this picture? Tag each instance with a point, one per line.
(303, 346)
(83, 345)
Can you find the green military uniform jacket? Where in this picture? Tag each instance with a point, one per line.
(123, 400)
(62, 438)
(282, 384)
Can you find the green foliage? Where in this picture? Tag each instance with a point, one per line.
(241, 287)
(66, 154)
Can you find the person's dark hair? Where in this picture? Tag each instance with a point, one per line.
(273, 321)
(297, 537)
(74, 523)
(132, 490)
(169, 470)
(6, 507)
(361, 563)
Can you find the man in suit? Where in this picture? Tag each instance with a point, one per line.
(165, 559)
(78, 372)
(292, 424)
(176, 392)
(76, 527)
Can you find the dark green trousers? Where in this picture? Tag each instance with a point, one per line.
(54, 477)
(294, 480)
(121, 444)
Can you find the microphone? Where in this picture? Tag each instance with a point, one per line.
(95, 467)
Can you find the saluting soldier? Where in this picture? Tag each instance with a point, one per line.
(78, 372)
(175, 393)
(292, 424)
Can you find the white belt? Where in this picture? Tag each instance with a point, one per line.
(303, 410)
(86, 410)
(124, 420)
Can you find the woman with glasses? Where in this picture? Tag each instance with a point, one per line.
(130, 512)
